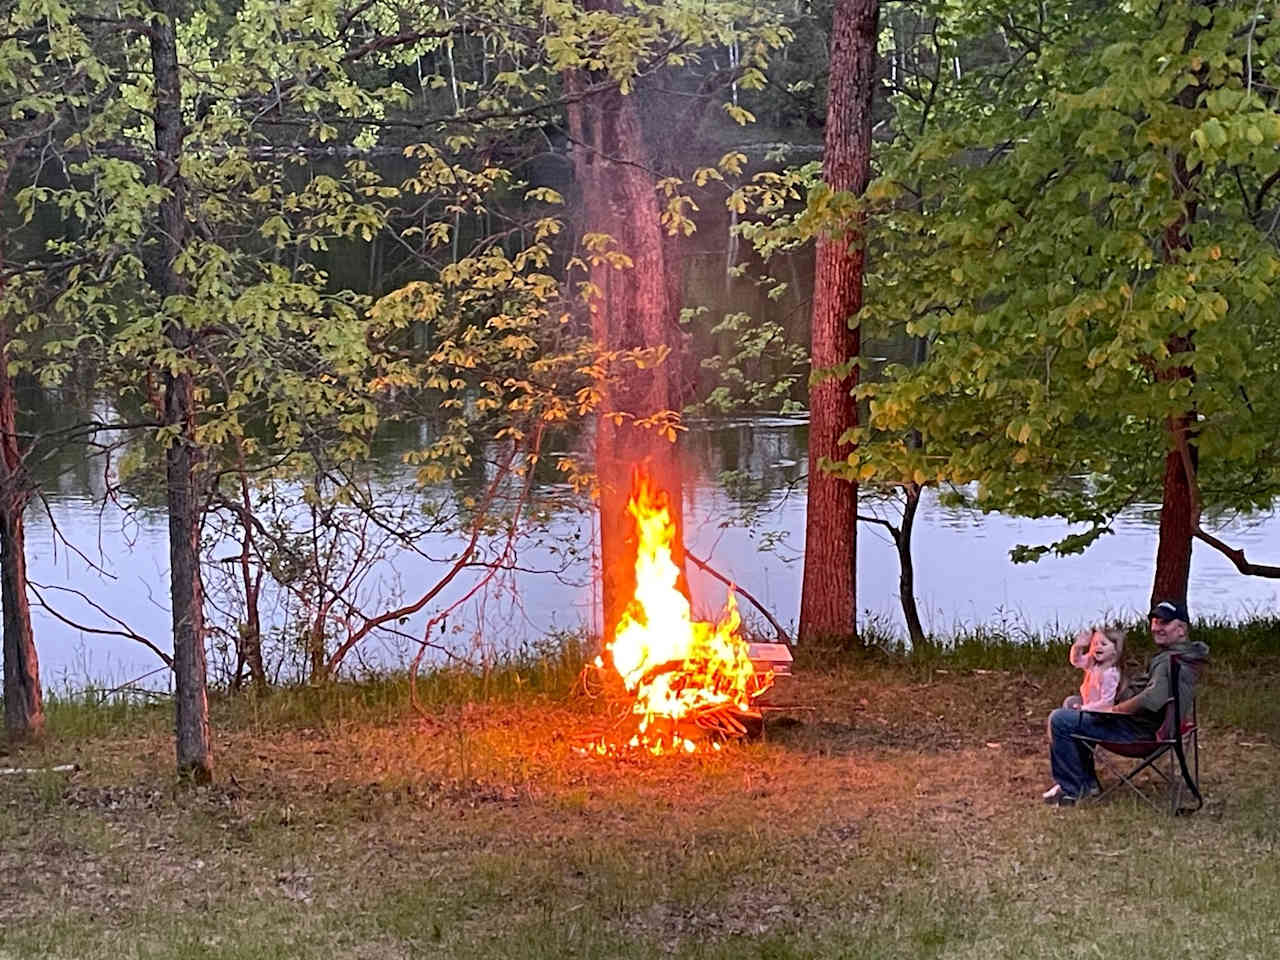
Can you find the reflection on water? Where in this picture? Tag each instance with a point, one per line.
(745, 513)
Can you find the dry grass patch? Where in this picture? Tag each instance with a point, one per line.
(885, 814)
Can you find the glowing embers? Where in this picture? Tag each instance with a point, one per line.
(692, 682)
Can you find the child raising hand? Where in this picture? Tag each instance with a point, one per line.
(1097, 653)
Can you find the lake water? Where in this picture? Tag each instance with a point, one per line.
(749, 526)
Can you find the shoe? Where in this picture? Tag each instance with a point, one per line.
(1063, 800)
(1093, 789)
(1050, 794)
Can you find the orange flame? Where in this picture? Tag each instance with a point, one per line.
(676, 667)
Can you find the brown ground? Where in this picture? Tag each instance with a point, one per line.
(851, 764)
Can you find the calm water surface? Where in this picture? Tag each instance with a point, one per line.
(750, 527)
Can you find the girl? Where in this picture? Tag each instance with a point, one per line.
(1097, 653)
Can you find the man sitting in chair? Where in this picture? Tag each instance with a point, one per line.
(1135, 718)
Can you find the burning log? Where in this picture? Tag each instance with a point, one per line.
(689, 682)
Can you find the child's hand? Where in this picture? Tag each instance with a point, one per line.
(1084, 637)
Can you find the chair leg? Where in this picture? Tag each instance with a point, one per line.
(1195, 749)
(1178, 776)
(1192, 744)
(1129, 777)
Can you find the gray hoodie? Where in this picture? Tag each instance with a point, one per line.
(1152, 688)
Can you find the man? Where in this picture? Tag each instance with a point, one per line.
(1136, 717)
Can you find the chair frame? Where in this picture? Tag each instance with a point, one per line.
(1175, 739)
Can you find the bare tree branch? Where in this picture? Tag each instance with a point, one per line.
(127, 632)
(1236, 556)
(706, 567)
(480, 584)
(459, 564)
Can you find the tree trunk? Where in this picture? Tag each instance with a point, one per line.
(23, 704)
(1177, 524)
(906, 567)
(1177, 508)
(195, 754)
(828, 598)
(249, 638)
(251, 641)
(630, 308)
(319, 664)
(194, 750)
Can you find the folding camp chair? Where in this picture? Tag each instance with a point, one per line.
(1177, 739)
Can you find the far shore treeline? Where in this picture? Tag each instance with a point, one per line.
(246, 239)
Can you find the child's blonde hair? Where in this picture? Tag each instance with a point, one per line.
(1116, 636)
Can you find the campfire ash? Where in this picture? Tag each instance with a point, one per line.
(690, 682)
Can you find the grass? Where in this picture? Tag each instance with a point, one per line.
(891, 811)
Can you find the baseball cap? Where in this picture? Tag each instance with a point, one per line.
(1170, 610)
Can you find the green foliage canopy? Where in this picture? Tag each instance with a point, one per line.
(1029, 239)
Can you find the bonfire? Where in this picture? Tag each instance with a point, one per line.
(689, 682)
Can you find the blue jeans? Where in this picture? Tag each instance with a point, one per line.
(1071, 761)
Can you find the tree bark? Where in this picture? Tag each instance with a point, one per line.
(250, 640)
(1178, 508)
(194, 750)
(828, 599)
(630, 308)
(23, 702)
(23, 699)
(906, 567)
(317, 674)
(1178, 518)
(1177, 528)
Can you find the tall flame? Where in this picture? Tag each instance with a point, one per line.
(676, 667)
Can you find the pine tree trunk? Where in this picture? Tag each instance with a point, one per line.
(630, 309)
(194, 750)
(23, 703)
(828, 598)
